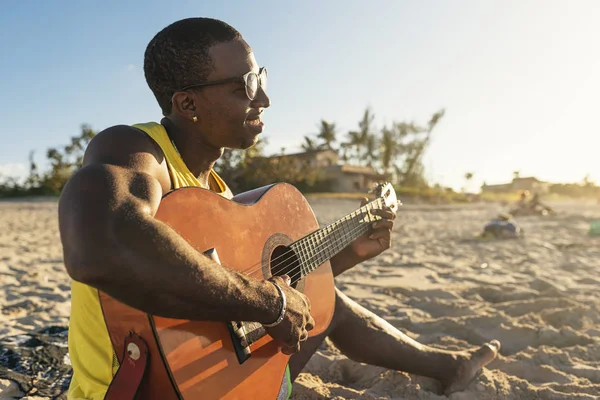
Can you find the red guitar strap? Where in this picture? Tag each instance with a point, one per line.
(127, 380)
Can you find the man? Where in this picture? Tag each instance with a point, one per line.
(212, 94)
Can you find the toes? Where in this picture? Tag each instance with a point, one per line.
(472, 368)
(486, 353)
(462, 383)
(496, 344)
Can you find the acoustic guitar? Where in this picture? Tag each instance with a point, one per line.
(264, 232)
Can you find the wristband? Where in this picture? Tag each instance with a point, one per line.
(283, 307)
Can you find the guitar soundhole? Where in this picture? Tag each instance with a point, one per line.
(285, 262)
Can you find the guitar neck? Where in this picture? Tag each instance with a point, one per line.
(320, 246)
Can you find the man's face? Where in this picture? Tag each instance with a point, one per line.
(226, 116)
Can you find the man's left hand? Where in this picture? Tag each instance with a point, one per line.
(369, 245)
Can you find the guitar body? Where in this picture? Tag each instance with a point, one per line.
(197, 359)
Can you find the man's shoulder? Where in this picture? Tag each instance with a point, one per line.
(122, 141)
(129, 148)
(125, 135)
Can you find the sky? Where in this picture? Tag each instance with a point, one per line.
(519, 79)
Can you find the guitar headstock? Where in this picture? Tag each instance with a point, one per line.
(385, 191)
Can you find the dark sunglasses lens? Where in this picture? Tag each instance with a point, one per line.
(251, 85)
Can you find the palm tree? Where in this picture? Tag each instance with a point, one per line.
(354, 141)
(309, 144)
(587, 181)
(366, 136)
(420, 147)
(388, 148)
(360, 141)
(327, 132)
(516, 174)
(468, 177)
(370, 148)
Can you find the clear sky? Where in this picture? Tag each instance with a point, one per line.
(519, 79)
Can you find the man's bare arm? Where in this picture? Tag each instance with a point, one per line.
(112, 241)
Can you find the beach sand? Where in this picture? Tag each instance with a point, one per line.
(540, 296)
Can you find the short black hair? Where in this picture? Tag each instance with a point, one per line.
(178, 56)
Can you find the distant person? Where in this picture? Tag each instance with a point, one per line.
(523, 197)
(502, 227)
(535, 205)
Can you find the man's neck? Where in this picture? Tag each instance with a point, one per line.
(197, 155)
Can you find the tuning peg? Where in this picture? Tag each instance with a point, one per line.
(376, 186)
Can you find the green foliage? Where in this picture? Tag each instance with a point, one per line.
(63, 163)
(585, 189)
(395, 150)
(246, 170)
(432, 195)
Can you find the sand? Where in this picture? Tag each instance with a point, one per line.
(540, 296)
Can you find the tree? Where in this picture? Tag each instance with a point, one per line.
(363, 141)
(419, 147)
(516, 174)
(354, 142)
(587, 181)
(327, 134)
(64, 163)
(370, 155)
(309, 144)
(388, 148)
(232, 165)
(468, 177)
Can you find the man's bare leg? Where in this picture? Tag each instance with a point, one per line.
(364, 337)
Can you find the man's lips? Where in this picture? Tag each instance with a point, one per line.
(254, 121)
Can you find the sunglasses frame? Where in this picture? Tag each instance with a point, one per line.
(243, 78)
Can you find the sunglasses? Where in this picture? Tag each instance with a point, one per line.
(251, 79)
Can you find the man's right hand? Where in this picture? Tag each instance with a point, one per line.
(297, 321)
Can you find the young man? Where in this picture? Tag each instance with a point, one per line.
(212, 94)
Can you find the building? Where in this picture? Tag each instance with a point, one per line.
(312, 158)
(340, 177)
(352, 178)
(532, 184)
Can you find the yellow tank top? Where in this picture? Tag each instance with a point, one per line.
(92, 356)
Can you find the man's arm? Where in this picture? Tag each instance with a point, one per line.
(112, 241)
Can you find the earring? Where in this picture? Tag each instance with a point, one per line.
(195, 119)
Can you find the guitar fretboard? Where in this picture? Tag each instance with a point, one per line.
(320, 246)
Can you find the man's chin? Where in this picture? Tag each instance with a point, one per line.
(248, 142)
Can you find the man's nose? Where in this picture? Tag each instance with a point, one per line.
(261, 100)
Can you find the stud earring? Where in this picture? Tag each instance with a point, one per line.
(195, 119)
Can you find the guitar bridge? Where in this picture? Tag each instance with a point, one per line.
(243, 334)
(241, 345)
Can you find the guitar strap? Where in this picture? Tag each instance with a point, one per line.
(127, 380)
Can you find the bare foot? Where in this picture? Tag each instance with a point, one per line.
(470, 366)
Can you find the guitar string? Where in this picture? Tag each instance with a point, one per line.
(360, 229)
(293, 280)
(321, 248)
(298, 275)
(292, 253)
(362, 226)
(294, 271)
(328, 244)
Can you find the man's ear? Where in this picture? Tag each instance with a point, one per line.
(183, 104)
